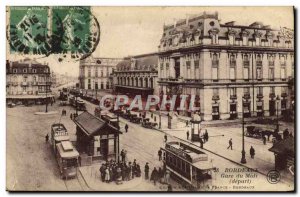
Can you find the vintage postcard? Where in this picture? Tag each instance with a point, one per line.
(153, 99)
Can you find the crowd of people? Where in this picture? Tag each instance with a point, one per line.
(113, 171)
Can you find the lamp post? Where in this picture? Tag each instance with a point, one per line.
(46, 97)
(159, 125)
(76, 106)
(277, 109)
(243, 159)
(118, 155)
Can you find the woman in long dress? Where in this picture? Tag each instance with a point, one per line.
(107, 175)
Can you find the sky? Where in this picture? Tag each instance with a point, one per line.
(137, 30)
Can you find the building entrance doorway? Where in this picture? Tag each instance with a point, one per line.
(272, 108)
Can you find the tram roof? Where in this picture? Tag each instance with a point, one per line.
(67, 153)
(203, 165)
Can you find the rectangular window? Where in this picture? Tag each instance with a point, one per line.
(246, 91)
(89, 72)
(188, 65)
(283, 73)
(167, 66)
(96, 72)
(272, 90)
(259, 73)
(161, 66)
(232, 73)
(232, 91)
(231, 40)
(246, 73)
(245, 40)
(196, 62)
(215, 92)
(215, 73)
(271, 73)
(284, 90)
(260, 90)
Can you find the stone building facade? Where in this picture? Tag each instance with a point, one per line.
(94, 73)
(27, 79)
(137, 75)
(227, 66)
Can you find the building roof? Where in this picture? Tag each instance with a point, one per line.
(285, 146)
(92, 125)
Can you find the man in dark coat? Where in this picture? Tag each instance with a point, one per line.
(187, 135)
(230, 144)
(264, 140)
(147, 171)
(126, 128)
(47, 138)
(159, 154)
(166, 138)
(102, 172)
(252, 152)
(123, 155)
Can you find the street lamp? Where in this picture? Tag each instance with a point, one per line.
(76, 105)
(277, 103)
(243, 159)
(118, 155)
(159, 125)
(46, 98)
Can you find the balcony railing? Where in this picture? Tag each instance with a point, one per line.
(233, 96)
(215, 97)
(246, 96)
(24, 83)
(259, 96)
(272, 95)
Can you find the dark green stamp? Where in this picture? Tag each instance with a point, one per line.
(66, 31)
(28, 32)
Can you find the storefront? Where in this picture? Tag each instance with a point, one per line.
(95, 137)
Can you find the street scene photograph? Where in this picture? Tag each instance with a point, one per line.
(150, 99)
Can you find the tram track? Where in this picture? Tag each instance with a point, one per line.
(77, 184)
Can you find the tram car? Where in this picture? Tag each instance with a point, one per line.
(67, 159)
(80, 105)
(187, 164)
(59, 133)
(66, 155)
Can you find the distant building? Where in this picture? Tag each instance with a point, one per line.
(27, 80)
(226, 66)
(137, 75)
(94, 73)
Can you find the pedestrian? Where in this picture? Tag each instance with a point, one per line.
(147, 171)
(201, 143)
(252, 152)
(187, 134)
(206, 135)
(154, 118)
(166, 138)
(71, 116)
(126, 128)
(159, 154)
(119, 175)
(123, 155)
(187, 123)
(170, 188)
(107, 175)
(154, 175)
(264, 140)
(79, 160)
(138, 170)
(230, 144)
(102, 172)
(130, 171)
(151, 114)
(168, 175)
(47, 138)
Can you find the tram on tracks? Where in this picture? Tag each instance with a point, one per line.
(67, 159)
(66, 155)
(187, 164)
